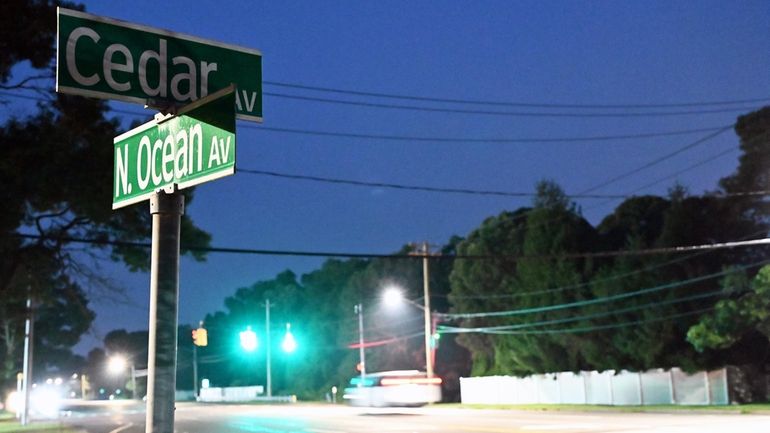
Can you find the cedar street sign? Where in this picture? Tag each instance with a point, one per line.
(106, 58)
(195, 146)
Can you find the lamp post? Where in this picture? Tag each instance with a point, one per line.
(358, 309)
(118, 364)
(393, 297)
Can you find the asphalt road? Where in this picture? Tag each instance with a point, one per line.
(307, 418)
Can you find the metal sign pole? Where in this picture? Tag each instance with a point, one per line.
(166, 210)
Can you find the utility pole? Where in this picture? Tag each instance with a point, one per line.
(424, 251)
(166, 210)
(267, 340)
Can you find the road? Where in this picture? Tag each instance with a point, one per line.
(311, 418)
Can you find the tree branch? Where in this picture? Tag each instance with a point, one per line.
(22, 84)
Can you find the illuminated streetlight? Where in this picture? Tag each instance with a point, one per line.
(118, 364)
(392, 297)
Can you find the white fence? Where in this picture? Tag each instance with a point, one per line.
(591, 387)
(241, 394)
(230, 394)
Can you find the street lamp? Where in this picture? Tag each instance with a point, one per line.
(117, 364)
(393, 297)
(358, 309)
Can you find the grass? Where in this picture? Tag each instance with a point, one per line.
(742, 409)
(9, 424)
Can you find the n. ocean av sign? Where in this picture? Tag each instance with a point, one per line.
(195, 146)
(111, 59)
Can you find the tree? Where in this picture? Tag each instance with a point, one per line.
(752, 174)
(55, 168)
(747, 311)
(539, 237)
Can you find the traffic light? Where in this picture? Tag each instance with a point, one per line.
(200, 337)
(289, 344)
(248, 339)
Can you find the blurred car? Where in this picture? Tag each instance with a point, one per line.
(393, 388)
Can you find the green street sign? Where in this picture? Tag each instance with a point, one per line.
(195, 146)
(106, 58)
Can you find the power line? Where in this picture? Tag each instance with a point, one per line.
(594, 281)
(603, 327)
(361, 183)
(508, 104)
(599, 300)
(228, 250)
(459, 329)
(502, 140)
(410, 187)
(699, 164)
(506, 113)
(388, 137)
(657, 160)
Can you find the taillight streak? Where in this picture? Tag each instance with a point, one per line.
(411, 381)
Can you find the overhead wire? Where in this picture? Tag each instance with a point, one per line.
(387, 137)
(658, 160)
(506, 103)
(252, 251)
(585, 329)
(595, 281)
(599, 300)
(352, 182)
(527, 114)
(408, 138)
(460, 329)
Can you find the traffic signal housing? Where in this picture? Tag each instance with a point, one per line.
(200, 337)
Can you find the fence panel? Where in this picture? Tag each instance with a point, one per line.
(656, 387)
(599, 387)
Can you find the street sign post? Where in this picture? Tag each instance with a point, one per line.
(195, 146)
(111, 59)
(105, 58)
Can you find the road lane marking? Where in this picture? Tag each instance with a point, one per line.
(123, 427)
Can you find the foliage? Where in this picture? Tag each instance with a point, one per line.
(653, 326)
(320, 308)
(56, 172)
(747, 312)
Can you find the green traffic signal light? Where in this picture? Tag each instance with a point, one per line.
(248, 340)
(289, 344)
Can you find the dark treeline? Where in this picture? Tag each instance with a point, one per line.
(695, 310)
